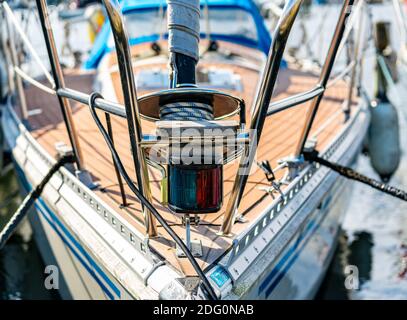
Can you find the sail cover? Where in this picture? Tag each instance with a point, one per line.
(183, 27)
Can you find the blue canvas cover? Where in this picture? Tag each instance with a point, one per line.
(102, 47)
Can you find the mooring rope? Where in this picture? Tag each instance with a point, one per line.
(354, 175)
(34, 194)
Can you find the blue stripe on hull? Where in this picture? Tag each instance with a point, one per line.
(292, 254)
(65, 235)
(284, 259)
(85, 265)
(310, 230)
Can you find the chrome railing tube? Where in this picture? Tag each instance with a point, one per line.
(113, 108)
(260, 108)
(325, 74)
(294, 100)
(59, 80)
(131, 106)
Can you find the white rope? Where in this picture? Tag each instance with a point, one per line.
(350, 25)
(27, 42)
(341, 75)
(34, 82)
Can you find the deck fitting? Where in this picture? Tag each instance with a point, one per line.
(196, 249)
(85, 177)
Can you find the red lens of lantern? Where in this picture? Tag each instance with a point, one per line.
(195, 189)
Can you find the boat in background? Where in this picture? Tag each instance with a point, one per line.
(391, 63)
(248, 232)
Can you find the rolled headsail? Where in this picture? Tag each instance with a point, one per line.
(183, 27)
(183, 45)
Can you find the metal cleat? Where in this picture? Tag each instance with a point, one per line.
(83, 175)
(294, 166)
(275, 185)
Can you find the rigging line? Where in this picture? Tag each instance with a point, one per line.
(27, 42)
(351, 24)
(341, 75)
(320, 26)
(307, 45)
(145, 202)
(312, 155)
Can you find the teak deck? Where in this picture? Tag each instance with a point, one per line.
(280, 135)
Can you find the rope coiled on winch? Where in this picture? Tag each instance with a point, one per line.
(349, 173)
(186, 111)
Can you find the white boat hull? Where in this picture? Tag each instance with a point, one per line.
(95, 261)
